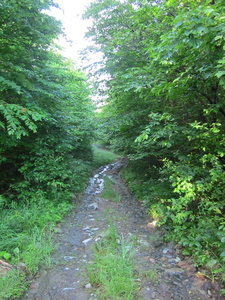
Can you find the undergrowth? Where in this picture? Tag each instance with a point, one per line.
(204, 237)
(112, 270)
(27, 222)
(26, 241)
(13, 285)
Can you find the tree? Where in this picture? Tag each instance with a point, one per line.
(45, 109)
(166, 108)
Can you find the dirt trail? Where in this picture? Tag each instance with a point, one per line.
(160, 271)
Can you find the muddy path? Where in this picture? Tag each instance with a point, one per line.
(160, 270)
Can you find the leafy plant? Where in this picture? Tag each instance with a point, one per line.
(165, 110)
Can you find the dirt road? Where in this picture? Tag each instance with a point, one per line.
(159, 269)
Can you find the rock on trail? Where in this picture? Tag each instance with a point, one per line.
(161, 273)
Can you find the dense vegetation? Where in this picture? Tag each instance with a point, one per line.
(163, 71)
(165, 109)
(45, 137)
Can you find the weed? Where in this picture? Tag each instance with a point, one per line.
(12, 285)
(98, 219)
(39, 250)
(112, 268)
(109, 211)
(25, 237)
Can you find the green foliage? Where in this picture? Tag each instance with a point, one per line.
(17, 118)
(165, 109)
(23, 223)
(187, 191)
(12, 285)
(112, 268)
(102, 157)
(45, 137)
(45, 111)
(26, 239)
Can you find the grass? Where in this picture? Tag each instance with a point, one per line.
(102, 157)
(25, 237)
(112, 270)
(25, 229)
(108, 191)
(13, 285)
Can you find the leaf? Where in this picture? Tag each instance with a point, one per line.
(186, 252)
(220, 73)
(8, 84)
(5, 255)
(16, 251)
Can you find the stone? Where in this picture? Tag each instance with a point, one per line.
(21, 266)
(88, 286)
(166, 250)
(94, 205)
(174, 271)
(4, 268)
(86, 241)
(86, 228)
(69, 257)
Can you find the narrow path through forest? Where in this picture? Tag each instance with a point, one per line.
(159, 271)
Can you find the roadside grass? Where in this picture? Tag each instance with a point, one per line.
(26, 241)
(26, 229)
(112, 270)
(102, 157)
(109, 192)
(13, 285)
